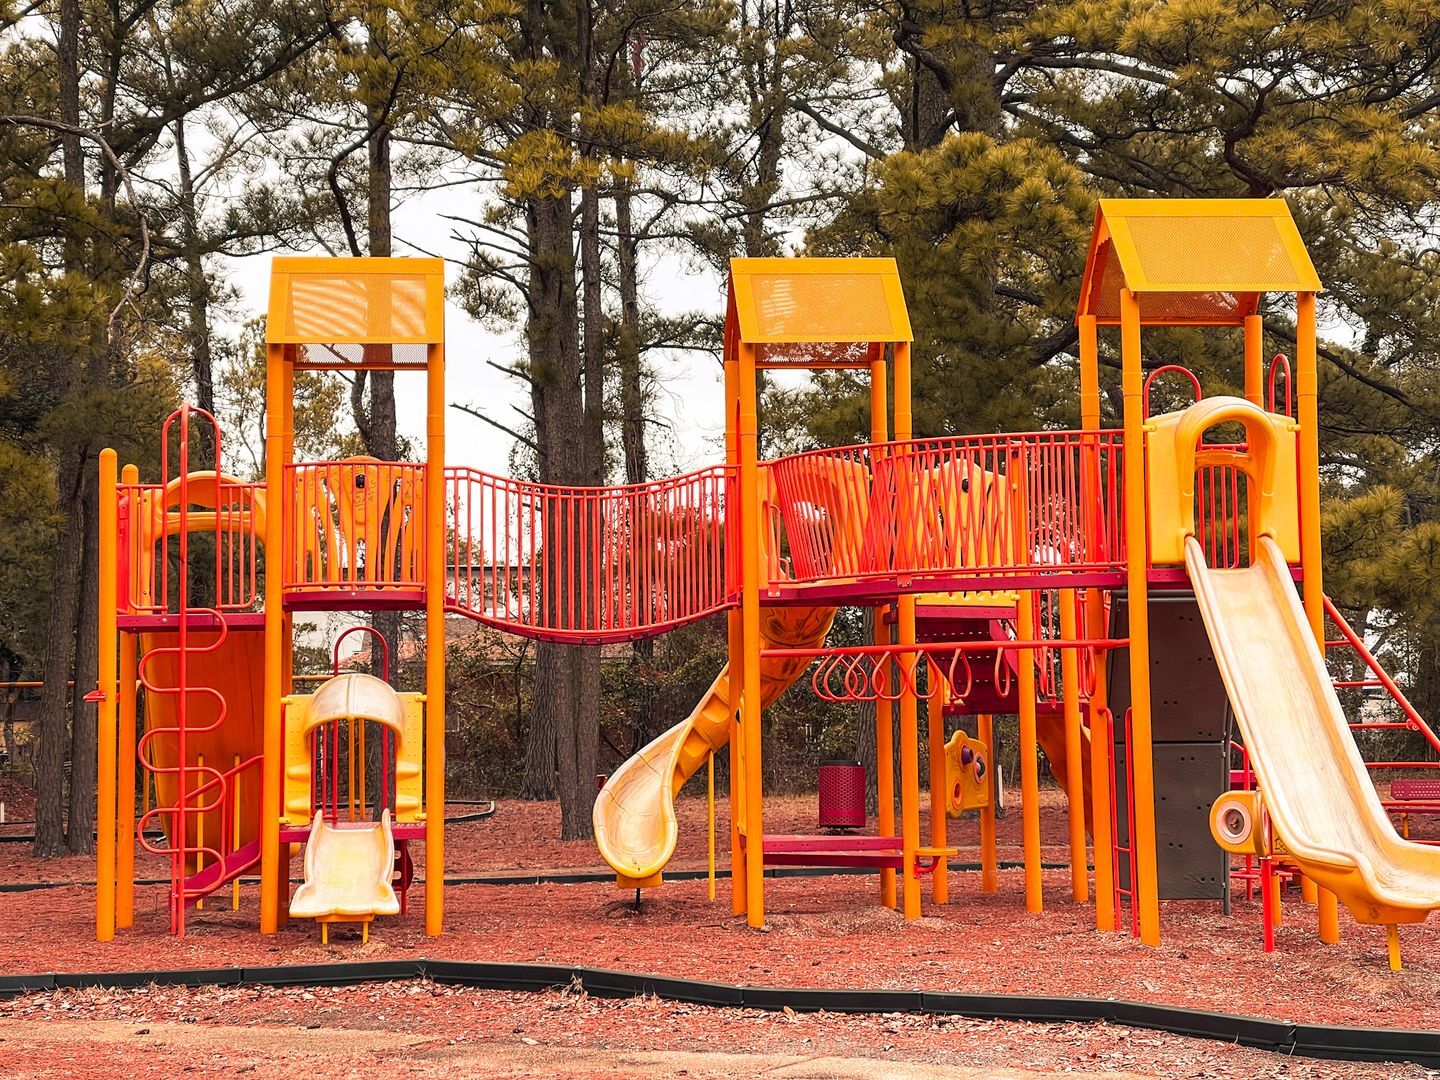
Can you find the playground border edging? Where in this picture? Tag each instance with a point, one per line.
(1281, 1036)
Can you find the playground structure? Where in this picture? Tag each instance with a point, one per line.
(1008, 573)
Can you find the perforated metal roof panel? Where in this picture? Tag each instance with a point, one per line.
(1193, 261)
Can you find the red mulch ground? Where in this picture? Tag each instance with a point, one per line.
(825, 932)
(19, 800)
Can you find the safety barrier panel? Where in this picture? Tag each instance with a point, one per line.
(224, 517)
(354, 525)
(969, 506)
(590, 564)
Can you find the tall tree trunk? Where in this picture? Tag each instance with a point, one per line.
(84, 744)
(557, 403)
(380, 432)
(632, 430)
(60, 621)
(197, 285)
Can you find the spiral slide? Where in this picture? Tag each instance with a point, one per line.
(634, 815)
(1322, 805)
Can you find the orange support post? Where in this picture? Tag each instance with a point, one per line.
(1308, 414)
(1255, 359)
(935, 730)
(989, 861)
(907, 636)
(435, 640)
(736, 650)
(125, 789)
(750, 701)
(1026, 696)
(1145, 888)
(1095, 627)
(107, 734)
(885, 757)
(271, 867)
(884, 713)
(1029, 758)
(1074, 742)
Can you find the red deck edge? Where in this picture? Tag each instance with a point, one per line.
(234, 620)
(329, 598)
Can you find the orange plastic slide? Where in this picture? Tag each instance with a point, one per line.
(1322, 806)
(634, 814)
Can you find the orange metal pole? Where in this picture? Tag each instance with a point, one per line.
(1029, 758)
(884, 713)
(1074, 741)
(1089, 373)
(909, 661)
(108, 686)
(885, 758)
(435, 641)
(273, 753)
(125, 794)
(751, 523)
(989, 861)
(1255, 360)
(1026, 692)
(935, 729)
(1095, 627)
(736, 644)
(1308, 414)
(1146, 891)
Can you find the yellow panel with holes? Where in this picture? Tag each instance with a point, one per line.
(384, 302)
(832, 301)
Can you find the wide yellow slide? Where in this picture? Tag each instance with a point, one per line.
(348, 871)
(1323, 808)
(634, 814)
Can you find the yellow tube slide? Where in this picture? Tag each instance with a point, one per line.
(634, 815)
(1323, 808)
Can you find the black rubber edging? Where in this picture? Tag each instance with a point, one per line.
(578, 877)
(1308, 1040)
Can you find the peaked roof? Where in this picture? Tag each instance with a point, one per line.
(1192, 262)
(816, 301)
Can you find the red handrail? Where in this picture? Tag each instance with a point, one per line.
(1414, 721)
(975, 506)
(1165, 370)
(590, 564)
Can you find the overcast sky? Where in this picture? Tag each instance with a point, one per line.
(690, 384)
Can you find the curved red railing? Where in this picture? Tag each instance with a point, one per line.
(1171, 369)
(972, 506)
(589, 564)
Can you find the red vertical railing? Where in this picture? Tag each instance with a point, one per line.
(844, 515)
(589, 564)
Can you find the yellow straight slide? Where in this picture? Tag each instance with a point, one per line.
(1323, 808)
(634, 814)
(348, 870)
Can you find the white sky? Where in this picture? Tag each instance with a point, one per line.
(689, 384)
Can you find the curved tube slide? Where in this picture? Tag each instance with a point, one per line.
(634, 814)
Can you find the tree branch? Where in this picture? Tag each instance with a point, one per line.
(496, 424)
(134, 283)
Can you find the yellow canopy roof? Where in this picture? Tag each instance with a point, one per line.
(324, 302)
(1192, 262)
(788, 307)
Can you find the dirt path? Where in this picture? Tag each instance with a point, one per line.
(426, 1030)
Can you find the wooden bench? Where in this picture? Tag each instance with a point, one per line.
(1418, 796)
